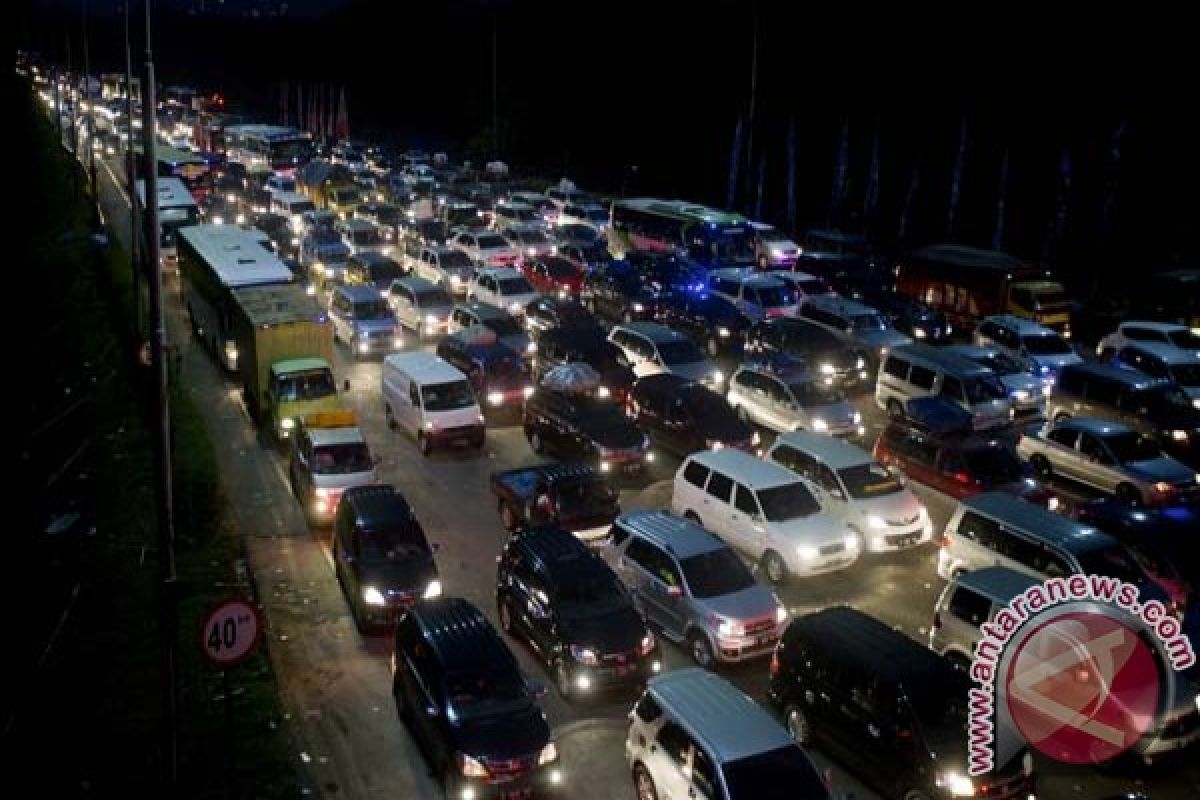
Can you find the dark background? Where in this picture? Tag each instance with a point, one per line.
(588, 90)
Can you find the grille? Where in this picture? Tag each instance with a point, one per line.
(760, 626)
(833, 549)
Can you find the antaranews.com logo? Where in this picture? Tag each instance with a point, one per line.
(1076, 667)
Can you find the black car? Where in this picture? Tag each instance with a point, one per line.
(907, 315)
(588, 257)
(817, 346)
(278, 229)
(587, 345)
(497, 373)
(373, 269)
(682, 416)
(617, 293)
(546, 312)
(562, 598)
(891, 709)
(711, 321)
(380, 555)
(577, 426)
(662, 272)
(461, 694)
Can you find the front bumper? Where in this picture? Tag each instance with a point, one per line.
(615, 672)
(898, 537)
(376, 345)
(616, 469)
(734, 649)
(397, 601)
(462, 435)
(538, 782)
(830, 558)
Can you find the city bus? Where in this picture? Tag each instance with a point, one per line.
(190, 168)
(263, 147)
(176, 209)
(214, 260)
(710, 237)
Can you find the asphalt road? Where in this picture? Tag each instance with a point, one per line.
(335, 683)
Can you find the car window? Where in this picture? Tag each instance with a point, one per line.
(979, 528)
(1091, 447)
(647, 708)
(745, 501)
(720, 486)
(696, 474)
(969, 606)
(921, 377)
(674, 743)
(896, 367)
(825, 478)
(1102, 391)
(952, 388)
(1064, 436)
(703, 776)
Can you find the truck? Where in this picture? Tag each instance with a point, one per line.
(967, 284)
(573, 497)
(285, 351)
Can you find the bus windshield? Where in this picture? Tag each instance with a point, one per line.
(311, 385)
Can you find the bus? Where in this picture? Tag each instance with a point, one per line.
(176, 209)
(191, 168)
(708, 236)
(214, 261)
(263, 147)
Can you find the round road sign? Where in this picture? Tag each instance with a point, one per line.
(230, 632)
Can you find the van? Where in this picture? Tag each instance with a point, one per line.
(921, 370)
(763, 510)
(292, 205)
(693, 734)
(362, 321)
(431, 400)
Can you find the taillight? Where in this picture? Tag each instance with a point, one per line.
(775, 663)
(963, 478)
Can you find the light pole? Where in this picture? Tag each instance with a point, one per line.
(90, 120)
(131, 176)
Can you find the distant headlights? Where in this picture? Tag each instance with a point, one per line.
(584, 655)
(1179, 435)
(549, 753)
(819, 425)
(1020, 395)
(495, 398)
(434, 589)
(827, 369)
(373, 597)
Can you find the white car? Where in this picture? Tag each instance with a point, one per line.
(594, 215)
(420, 306)
(446, 267)
(1042, 350)
(756, 295)
(790, 400)
(773, 250)
(650, 348)
(853, 486)
(485, 248)
(503, 288)
(364, 236)
(1141, 332)
(530, 241)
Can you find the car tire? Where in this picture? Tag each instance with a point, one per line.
(895, 411)
(425, 444)
(797, 725)
(1041, 467)
(643, 784)
(562, 679)
(701, 650)
(1128, 494)
(774, 567)
(535, 443)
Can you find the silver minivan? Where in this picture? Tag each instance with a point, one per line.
(791, 400)
(921, 370)
(694, 588)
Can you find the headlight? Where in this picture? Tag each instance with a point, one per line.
(638, 308)
(727, 628)
(241, 219)
(723, 332)
(717, 376)
(781, 615)
(231, 198)
(857, 418)
(949, 329)
(434, 589)
(1162, 487)
(807, 552)
(431, 319)
(1195, 402)
(287, 423)
(820, 425)
(919, 333)
(1021, 395)
(455, 280)
(527, 392)
(1179, 436)
(1046, 392)
(470, 767)
(218, 220)
(827, 369)
(647, 644)
(851, 541)
(531, 251)
(549, 753)
(755, 440)
(514, 307)
(531, 347)
(1052, 504)
(495, 398)
(397, 342)
(603, 392)
(373, 597)
(957, 784)
(860, 364)
(876, 522)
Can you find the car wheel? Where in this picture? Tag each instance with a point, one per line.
(1128, 494)
(535, 442)
(562, 678)
(701, 650)
(425, 444)
(505, 614)
(1041, 466)
(797, 725)
(644, 784)
(774, 567)
(894, 410)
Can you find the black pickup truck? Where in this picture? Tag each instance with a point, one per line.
(575, 497)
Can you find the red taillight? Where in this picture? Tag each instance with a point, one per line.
(775, 663)
(963, 478)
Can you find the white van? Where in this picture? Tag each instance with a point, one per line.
(765, 511)
(921, 370)
(427, 397)
(292, 205)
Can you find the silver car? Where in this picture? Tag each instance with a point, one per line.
(694, 588)
(422, 307)
(790, 401)
(1028, 393)
(1111, 457)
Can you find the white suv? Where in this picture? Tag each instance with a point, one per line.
(485, 248)
(763, 510)
(1041, 350)
(1142, 332)
(502, 288)
(864, 494)
(792, 400)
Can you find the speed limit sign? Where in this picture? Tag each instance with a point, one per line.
(230, 632)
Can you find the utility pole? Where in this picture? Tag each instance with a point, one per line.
(495, 116)
(168, 600)
(131, 174)
(90, 121)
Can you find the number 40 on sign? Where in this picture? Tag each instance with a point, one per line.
(230, 632)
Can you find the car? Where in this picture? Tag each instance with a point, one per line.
(363, 321)
(431, 400)
(615, 292)
(588, 257)
(837, 362)
(870, 500)
(328, 455)
(884, 705)
(1111, 457)
(503, 288)
(381, 558)
(509, 214)
(757, 295)
(859, 324)
(552, 275)
(765, 511)
(278, 229)
(586, 427)
(651, 348)
(792, 398)
(1042, 350)
(710, 320)
(485, 249)
(364, 236)
(694, 589)
(1143, 331)
(664, 272)
(546, 313)
(529, 241)
(682, 416)
(585, 345)
(420, 306)
(575, 498)
(325, 254)
(1164, 361)
(374, 270)
(921, 371)
(499, 376)
(772, 249)
(462, 697)
(578, 234)
(563, 599)
(734, 748)
(508, 330)
(1027, 392)
(804, 285)
(908, 316)
(446, 267)
(585, 214)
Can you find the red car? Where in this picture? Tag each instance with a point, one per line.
(553, 275)
(960, 465)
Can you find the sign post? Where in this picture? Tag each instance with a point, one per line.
(229, 634)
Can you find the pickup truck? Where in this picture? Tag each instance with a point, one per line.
(575, 497)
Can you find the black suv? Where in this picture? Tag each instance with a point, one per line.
(563, 599)
(616, 293)
(380, 555)
(907, 315)
(459, 691)
(545, 313)
(891, 709)
(374, 269)
(822, 350)
(682, 416)
(590, 346)
(711, 321)
(578, 426)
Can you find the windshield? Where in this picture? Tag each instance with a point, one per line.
(367, 236)
(1185, 374)
(591, 595)
(602, 414)
(447, 396)
(1113, 562)
(491, 242)
(865, 481)
(994, 465)
(433, 298)
(1000, 363)
(384, 272)
(372, 309)
(775, 296)
(716, 573)
(305, 386)
(1045, 344)
(679, 351)
(1131, 446)
(983, 388)
(809, 395)
(868, 322)
(455, 259)
(1050, 298)
(480, 692)
(790, 501)
(378, 545)
(1184, 339)
(517, 285)
(341, 459)
(783, 774)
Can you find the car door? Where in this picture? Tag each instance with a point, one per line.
(679, 430)
(1096, 464)
(716, 505)
(780, 410)
(668, 760)
(746, 522)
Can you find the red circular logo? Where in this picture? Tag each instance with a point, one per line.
(1083, 687)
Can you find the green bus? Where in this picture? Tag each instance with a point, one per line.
(708, 236)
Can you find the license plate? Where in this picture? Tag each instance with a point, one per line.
(630, 469)
(905, 541)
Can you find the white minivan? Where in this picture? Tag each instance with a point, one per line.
(429, 398)
(765, 511)
(921, 370)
